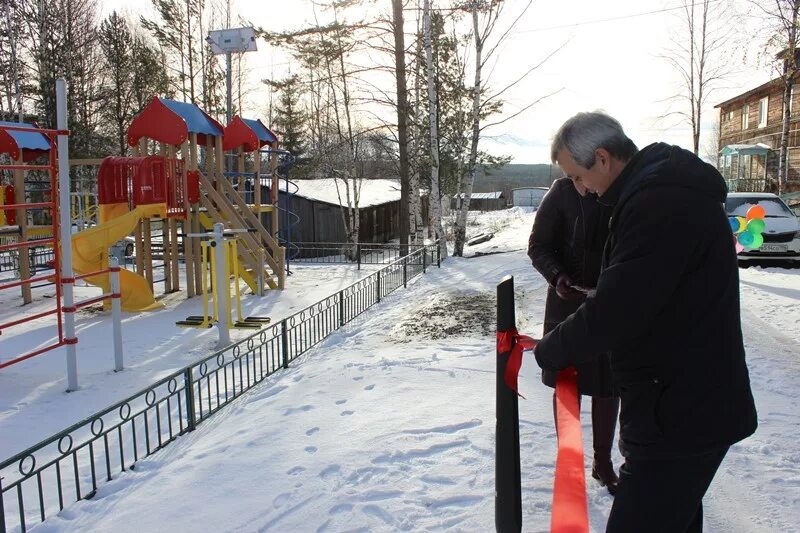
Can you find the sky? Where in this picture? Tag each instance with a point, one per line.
(610, 59)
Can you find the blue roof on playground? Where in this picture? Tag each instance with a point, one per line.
(261, 131)
(25, 140)
(196, 120)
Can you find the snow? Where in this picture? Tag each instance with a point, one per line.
(333, 191)
(388, 425)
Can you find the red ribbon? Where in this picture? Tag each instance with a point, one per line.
(511, 340)
(569, 511)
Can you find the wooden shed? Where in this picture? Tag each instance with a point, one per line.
(316, 207)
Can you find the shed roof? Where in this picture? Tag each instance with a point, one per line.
(332, 191)
(496, 195)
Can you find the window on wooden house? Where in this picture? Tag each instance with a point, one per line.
(745, 116)
(763, 105)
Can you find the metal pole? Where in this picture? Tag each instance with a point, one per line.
(228, 87)
(223, 284)
(116, 313)
(65, 233)
(507, 482)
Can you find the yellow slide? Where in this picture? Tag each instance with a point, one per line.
(89, 252)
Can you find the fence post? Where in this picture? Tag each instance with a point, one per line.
(438, 254)
(507, 482)
(424, 258)
(116, 313)
(2, 509)
(285, 343)
(188, 385)
(405, 271)
(341, 309)
(358, 254)
(378, 286)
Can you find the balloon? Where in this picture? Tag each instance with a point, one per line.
(734, 222)
(746, 239)
(756, 226)
(758, 240)
(739, 248)
(742, 224)
(756, 212)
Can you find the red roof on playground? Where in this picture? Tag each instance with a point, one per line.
(171, 122)
(250, 135)
(30, 144)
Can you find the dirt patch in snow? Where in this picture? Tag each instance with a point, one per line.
(448, 315)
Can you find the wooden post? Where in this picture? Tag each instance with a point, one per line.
(240, 181)
(186, 227)
(22, 220)
(147, 252)
(195, 221)
(220, 167)
(273, 166)
(166, 248)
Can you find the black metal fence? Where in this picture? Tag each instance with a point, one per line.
(340, 253)
(70, 465)
(40, 257)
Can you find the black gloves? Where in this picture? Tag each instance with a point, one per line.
(565, 291)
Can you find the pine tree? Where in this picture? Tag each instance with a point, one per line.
(290, 121)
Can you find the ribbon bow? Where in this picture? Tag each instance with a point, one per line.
(511, 340)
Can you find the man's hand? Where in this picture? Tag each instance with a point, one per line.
(564, 289)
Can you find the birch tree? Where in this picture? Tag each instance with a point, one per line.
(700, 54)
(434, 198)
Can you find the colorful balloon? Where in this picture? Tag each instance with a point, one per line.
(756, 226)
(758, 240)
(739, 248)
(756, 212)
(734, 222)
(746, 239)
(742, 224)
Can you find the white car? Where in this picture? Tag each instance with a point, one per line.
(782, 231)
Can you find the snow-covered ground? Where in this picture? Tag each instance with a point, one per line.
(388, 424)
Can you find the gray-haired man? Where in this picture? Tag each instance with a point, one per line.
(667, 309)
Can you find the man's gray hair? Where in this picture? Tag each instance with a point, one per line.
(584, 133)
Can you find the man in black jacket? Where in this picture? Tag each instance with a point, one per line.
(566, 247)
(666, 307)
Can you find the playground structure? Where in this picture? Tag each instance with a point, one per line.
(175, 178)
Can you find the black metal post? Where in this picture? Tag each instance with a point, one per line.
(424, 258)
(508, 491)
(438, 254)
(188, 385)
(405, 271)
(285, 344)
(341, 309)
(358, 253)
(378, 285)
(2, 509)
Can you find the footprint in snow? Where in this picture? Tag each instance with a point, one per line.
(311, 449)
(312, 431)
(347, 413)
(340, 402)
(369, 387)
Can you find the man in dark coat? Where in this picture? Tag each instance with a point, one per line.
(666, 307)
(566, 247)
